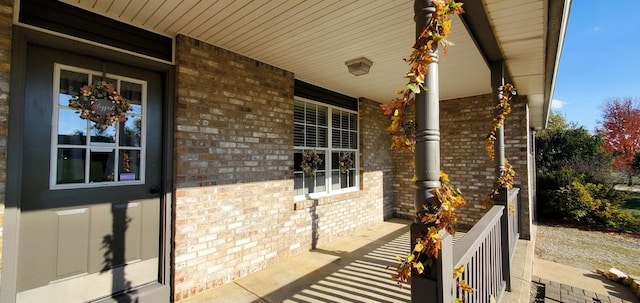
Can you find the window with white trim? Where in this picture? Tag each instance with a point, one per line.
(83, 155)
(332, 133)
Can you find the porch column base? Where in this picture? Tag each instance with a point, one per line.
(435, 285)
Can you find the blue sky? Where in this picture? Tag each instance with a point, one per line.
(600, 59)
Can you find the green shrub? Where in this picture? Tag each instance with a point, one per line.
(548, 185)
(633, 204)
(594, 204)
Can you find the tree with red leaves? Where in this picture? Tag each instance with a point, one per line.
(620, 130)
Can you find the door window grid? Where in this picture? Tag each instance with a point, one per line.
(84, 156)
(315, 126)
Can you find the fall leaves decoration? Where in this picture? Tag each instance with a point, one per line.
(506, 178)
(345, 163)
(504, 109)
(101, 103)
(457, 275)
(126, 166)
(436, 31)
(310, 163)
(438, 214)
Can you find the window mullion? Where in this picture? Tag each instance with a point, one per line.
(116, 148)
(319, 119)
(328, 157)
(87, 154)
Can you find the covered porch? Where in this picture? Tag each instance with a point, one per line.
(242, 83)
(355, 268)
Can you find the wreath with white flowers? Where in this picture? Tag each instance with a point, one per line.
(346, 163)
(310, 163)
(101, 103)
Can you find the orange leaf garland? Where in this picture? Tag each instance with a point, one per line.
(436, 31)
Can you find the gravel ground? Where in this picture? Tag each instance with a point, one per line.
(589, 249)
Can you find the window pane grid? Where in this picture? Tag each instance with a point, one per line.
(353, 142)
(313, 130)
(344, 130)
(84, 155)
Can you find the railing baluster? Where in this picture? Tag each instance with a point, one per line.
(490, 265)
(480, 250)
(493, 261)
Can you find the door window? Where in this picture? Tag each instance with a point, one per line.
(85, 154)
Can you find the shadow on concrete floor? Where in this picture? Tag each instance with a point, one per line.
(356, 268)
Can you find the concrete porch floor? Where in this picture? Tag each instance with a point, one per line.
(350, 269)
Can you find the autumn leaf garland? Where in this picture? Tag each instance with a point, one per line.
(437, 217)
(441, 215)
(504, 109)
(506, 180)
(436, 31)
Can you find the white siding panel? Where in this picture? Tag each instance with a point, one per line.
(168, 21)
(313, 39)
(118, 7)
(158, 14)
(236, 15)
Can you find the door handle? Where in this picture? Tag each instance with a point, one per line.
(154, 189)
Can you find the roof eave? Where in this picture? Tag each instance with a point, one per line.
(557, 26)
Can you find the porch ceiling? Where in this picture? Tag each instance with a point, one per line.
(313, 39)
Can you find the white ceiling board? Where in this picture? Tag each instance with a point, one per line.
(519, 28)
(313, 39)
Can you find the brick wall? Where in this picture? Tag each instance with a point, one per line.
(235, 213)
(377, 157)
(518, 151)
(464, 124)
(404, 189)
(6, 17)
